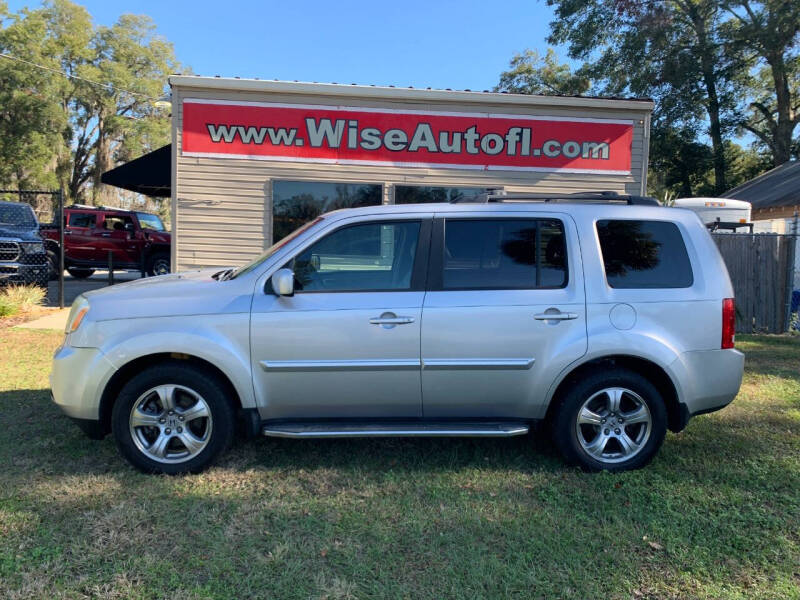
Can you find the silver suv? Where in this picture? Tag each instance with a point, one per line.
(605, 318)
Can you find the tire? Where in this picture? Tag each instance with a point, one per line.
(158, 264)
(187, 440)
(600, 442)
(78, 273)
(52, 265)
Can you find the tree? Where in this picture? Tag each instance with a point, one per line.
(768, 31)
(532, 73)
(87, 92)
(672, 51)
(682, 167)
(120, 120)
(678, 163)
(32, 119)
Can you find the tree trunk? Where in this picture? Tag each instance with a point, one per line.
(715, 130)
(102, 162)
(782, 136)
(712, 107)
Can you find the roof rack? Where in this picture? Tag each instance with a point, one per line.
(604, 197)
(90, 207)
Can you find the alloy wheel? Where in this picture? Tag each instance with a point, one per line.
(170, 423)
(613, 425)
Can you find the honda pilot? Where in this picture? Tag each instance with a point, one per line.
(605, 320)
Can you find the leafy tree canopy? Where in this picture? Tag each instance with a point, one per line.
(716, 69)
(532, 73)
(77, 98)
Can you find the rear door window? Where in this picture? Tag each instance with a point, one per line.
(504, 254)
(644, 254)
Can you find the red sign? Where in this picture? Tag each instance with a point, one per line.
(373, 136)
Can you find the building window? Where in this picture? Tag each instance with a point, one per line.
(644, 254)
(295, 203)
(416, 194)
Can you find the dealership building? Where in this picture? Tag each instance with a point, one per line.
(251, 160)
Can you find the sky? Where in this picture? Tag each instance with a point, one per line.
(433, 43)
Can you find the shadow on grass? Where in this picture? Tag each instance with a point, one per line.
(42, 439)
(395, 517)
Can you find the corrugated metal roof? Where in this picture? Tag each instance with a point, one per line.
(334, 89)
(777, 187)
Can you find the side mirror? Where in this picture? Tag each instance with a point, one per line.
(283, 282)
(129, 227)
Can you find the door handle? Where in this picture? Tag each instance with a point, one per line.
(105, 235)
(391, 320)
(555, 316)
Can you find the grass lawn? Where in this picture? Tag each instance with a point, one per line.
(716, 515)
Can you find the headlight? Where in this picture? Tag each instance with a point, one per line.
(32, 247)
(79, 310)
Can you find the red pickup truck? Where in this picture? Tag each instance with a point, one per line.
(135, 239)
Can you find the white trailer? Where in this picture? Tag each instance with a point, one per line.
(722, 213)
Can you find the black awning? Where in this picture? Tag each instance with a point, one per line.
(149, 174)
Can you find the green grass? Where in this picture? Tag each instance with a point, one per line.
(717, 514)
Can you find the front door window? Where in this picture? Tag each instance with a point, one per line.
(370, 257)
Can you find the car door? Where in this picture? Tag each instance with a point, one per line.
(119, 236)
(347, 343)
(504, 314)
(78, 236)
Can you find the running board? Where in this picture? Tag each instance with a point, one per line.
(394, 429)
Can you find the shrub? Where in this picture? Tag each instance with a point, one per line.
(16, 298)
(6, 308)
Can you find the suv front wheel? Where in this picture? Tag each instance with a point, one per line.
(612, 420)
(172, 418)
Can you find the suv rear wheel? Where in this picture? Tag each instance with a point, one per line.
(613, 421)
(158, 264)
(172, 418)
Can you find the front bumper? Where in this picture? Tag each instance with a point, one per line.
(24, 274)
(91, 427)
(77, 381)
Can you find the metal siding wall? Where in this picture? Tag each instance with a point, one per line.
(222, 207)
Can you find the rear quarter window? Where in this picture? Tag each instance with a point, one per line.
(644, 254)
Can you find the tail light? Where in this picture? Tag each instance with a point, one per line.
(728, 323)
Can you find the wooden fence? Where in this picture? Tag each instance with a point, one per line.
(761, 267)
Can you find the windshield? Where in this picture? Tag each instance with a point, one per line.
(273, 249)
(148, 221)
(20, 215)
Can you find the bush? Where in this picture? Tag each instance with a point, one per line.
(16, 298)
(6, 308)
